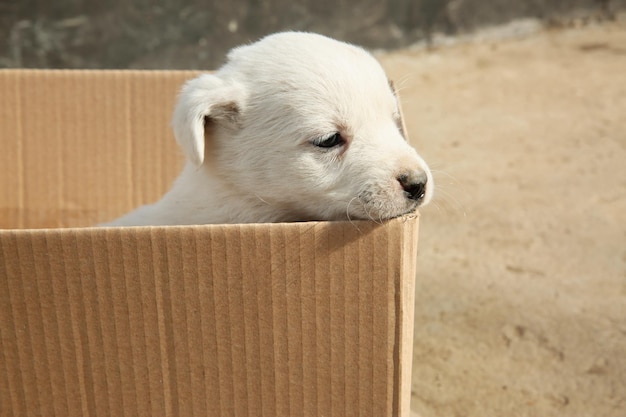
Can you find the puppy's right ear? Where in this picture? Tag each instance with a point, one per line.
(207, 97)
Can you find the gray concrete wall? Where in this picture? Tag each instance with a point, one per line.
(197, 33)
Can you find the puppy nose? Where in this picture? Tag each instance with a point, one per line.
(414, 184)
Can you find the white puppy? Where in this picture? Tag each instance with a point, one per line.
(294, 127)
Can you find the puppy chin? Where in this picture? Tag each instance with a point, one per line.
(379, 210)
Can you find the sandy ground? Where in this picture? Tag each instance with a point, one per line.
(521, 290)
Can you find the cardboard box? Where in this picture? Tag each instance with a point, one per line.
(298, 319)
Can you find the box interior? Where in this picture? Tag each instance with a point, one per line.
(83, 147)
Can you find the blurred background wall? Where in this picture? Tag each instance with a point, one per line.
(177, 34)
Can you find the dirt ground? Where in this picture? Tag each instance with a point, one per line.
(521, 289)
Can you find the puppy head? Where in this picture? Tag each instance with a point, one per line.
(308, 125)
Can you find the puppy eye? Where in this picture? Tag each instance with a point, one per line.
(330, 141)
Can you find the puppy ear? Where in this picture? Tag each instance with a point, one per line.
(203, 99)
(400, 116)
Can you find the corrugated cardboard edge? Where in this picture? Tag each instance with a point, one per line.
(406, 315)
(94, 323)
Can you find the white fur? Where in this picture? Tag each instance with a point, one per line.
(264, 110)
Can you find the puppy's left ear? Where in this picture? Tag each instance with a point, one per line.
(400, 116)
(205, 98)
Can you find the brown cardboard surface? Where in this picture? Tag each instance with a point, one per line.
(79, 146)
(298, 319)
